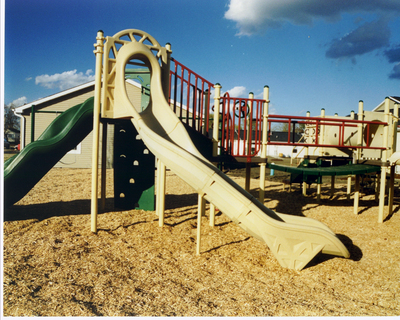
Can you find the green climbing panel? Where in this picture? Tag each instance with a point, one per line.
(134, 168)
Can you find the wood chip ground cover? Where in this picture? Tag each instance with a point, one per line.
(54, 265)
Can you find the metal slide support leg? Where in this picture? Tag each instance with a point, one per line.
(304, 188)
(348, 187)
(212, 215)
(160, 204)
(158, 187)
(356, 194)
(382, 194)
(319, 184)
(200, 206)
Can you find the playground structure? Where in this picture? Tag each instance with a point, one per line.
(174, 123)
(293, 240)
(365, 145)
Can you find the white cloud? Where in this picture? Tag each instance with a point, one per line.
(254, 16)
(237, 92)
(19, 102)
(65, 80)
(28, 78)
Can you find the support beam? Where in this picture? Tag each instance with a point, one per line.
(304, 185)
(391, 189)
(200, 207)
(319, 191)
(212, 215)
(382, 195)
(215, 139)
(384, 159)
(96, 126)
(348, 193)
(264, 143)
(160, 200)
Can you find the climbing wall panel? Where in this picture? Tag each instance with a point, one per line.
(134, 168)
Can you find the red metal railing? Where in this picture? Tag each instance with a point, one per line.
(317, 122)
(241, 125)
(241, 118)
(190, 97)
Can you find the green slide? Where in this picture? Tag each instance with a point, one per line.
(25, 169)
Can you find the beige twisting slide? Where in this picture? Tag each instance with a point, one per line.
(293, 240)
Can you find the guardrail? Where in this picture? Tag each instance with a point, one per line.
(241, 125)
(317, 123)
(190, 97)
(241, 119)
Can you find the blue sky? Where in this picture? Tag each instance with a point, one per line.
(312, 54)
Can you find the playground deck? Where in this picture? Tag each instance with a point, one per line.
(350, 169)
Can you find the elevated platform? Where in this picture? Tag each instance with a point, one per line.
(348, 169)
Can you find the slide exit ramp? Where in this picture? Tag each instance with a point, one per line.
(23, 171)
(293, 240)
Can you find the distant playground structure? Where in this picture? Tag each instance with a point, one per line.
(186, 124)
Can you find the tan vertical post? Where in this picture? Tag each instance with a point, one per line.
(304, 185)
(201, 204)
(160, 200)
(384, 160)
(348, 192)
(360, 128)
(358, 154)
(395, 124)
(264, 144)
(161, 169)
(322, 133)
(217, 96)
(158, 187)
(200, 207)
(96, 126)
(391, 189)
(333, 177)
(393, 167)
(212, 215)
(349, 176)
(321, 150)
(249, 140)
(165, 68)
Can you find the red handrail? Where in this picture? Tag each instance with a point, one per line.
(322, 121)
(189, 96)
(241, 118)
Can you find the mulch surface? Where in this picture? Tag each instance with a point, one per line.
(55, 266)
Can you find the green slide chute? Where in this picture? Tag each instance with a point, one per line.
(24, 170)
